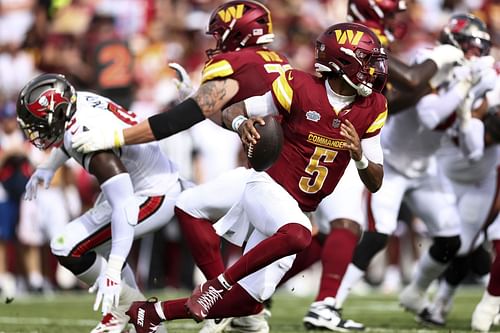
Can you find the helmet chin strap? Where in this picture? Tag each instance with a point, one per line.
(362, 89)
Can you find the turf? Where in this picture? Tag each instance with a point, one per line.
(72, 313)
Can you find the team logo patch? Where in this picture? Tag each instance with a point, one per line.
(336, 123)
(313, 116)
(258, 32)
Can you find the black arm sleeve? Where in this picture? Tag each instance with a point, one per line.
(179, 118)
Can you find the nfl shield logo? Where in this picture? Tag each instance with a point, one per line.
(336, 123)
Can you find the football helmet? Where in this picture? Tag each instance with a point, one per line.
(378, 15)
(354, 52)
(237, 24)
(43, 107)
(467, 32)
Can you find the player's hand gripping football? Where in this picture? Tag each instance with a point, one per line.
(41, 175)
(352, 143)
(247, 131)
(97, 139)
(108, 286)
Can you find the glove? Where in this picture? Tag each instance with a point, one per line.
(108, 285)
(183, 83)
(462, 80)
(484, 76)
(446, 55)
(41, 175)
(97, 139)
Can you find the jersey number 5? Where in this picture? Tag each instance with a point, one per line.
(312, 185)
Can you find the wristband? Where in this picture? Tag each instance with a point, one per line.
(115, 265)
(362, 163)
(238, 121)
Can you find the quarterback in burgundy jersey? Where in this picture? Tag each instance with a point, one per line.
(323, 119)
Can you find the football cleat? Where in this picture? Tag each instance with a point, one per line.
(437, 313)
(323, 315)
(144, 316)
(256, 323)
(428, 318)
(485, 313)
(204, 298)
(412, 299)
(215, 325)
(111, 323)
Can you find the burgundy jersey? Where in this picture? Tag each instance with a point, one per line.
(255, 69)
(314, 157)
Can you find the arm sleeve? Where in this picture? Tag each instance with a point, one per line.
(119, 192)
(260, 106)
(432, 109)
(471, 139)
(56, 159)
(372, 149)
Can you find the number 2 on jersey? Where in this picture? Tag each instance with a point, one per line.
(310, 185)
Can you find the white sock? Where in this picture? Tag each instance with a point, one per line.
(352, 275)
(427, 271)
(93, 272)
(445, 292)
(129, 277)
(129, 295)
(35, 280)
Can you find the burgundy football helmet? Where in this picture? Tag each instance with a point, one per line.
(354, 52)
(467, 32)
(237, 24)
(43, 107)
(377, 14)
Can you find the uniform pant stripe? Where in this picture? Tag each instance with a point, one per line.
(370, 217)
(146, 209)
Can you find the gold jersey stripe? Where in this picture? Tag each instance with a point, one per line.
(220, 68)
(283, 92)
(378, 123)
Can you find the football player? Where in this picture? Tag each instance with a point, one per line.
(139, 188)
(326, 122)
(342, 215)
(239, 67)
(410, 166)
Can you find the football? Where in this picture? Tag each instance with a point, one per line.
(267, 150)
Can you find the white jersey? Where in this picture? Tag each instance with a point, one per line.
(458, 168)
(152, 173)
(408, 146)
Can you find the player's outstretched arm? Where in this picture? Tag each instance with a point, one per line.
(118, 190)
(205, 103)
(371, 173)
(405, 77)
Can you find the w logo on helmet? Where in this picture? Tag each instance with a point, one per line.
(234, 12)
(344, 36)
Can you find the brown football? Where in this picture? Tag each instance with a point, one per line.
(267, 150)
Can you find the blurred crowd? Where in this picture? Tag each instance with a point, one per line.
(120, 49)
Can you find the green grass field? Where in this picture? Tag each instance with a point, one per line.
(72, 313)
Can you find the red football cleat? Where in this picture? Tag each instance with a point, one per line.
(203, 299)
(144, 317)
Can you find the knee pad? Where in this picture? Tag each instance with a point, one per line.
(298, 236)
(444, 248)
(480, 261)
(78, 265)
(371, 243)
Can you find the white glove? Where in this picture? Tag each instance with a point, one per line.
(183, 84)
(41, 175)
(97, 139)
(108, 285)
(484, 76)
(446, 55)
(462, 80)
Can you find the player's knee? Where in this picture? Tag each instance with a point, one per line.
(298, 237)
(371, 243)
(480, 260)
(78, 265)
(350, 225)
(444, 249)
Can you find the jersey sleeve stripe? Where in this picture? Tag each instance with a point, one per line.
(378, 123)
(219, 69)
(283, 92)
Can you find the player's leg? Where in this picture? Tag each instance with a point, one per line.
(274, 213)
(79, 247)
(198, 208)
(383, 207)
(435, 204)
(486, 312)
